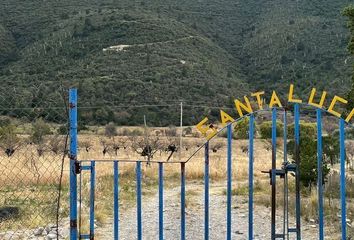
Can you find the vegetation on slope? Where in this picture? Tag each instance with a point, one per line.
(126, 53)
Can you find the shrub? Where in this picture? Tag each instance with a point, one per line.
(265, 129)
(39, 130)
(308, 160)
(241, 129)
(110, 130)
(306, 129)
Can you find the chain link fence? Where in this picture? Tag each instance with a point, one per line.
(33, 148)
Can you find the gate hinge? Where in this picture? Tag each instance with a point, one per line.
(77, 167)
(73, 223)
(72, 105)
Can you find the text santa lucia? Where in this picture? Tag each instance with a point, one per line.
(209, 130)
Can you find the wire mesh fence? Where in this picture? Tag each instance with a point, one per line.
(33, 143)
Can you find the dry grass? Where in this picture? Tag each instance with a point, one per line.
(25, 178)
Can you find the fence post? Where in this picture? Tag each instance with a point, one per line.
(116, 200)
(320, 174)
(92, 200)
(229, 181)
(183, 199)
(138, 201)
(73, 163)
(206, 192)
(250, 178)
(342, 178)
(297, 175)
(160, 200)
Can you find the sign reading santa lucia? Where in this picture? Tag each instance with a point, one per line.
(209, 130)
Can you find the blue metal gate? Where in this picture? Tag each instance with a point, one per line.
(77, 166)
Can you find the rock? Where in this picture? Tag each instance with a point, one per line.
(312, 220)
(38, 231)
(51, 236)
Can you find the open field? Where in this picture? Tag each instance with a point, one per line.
(40, 184)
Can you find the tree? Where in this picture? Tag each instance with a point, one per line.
(308, 160)
(39, 130)
(349, 12)
(9, 141)
(110, 130)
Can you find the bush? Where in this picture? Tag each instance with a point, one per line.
(39, 130)
(308, 160)
(265, 129)
(306, 129)
(110, 130)
(241, 129)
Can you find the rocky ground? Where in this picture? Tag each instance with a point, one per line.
(194, 219)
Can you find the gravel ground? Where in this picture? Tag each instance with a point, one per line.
(195, 218)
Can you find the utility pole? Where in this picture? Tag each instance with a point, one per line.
(181, 133)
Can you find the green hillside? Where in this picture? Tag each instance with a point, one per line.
(204, 52)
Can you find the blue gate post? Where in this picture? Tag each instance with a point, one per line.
(250, 178)
(116, 200)
(206, 192)
(183, 200)
(273, 171)
(138, 201)
(319, 174)
(92, 200)
(229, 180)
(297, 178)
(73, 161)
(342, 178)
(160, 201)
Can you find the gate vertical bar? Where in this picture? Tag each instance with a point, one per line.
(342, 178)
(229, 181)
(92, 200)
(183, 200)
(73, 160)
(116, 200)
(297, 177)
(206, 192)
(320, 173)
(273, 171)
(286, 190)
(138, 201)
(160, 201)
(250, 178)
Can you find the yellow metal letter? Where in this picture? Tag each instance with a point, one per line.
(205, 129)
(259, 100)
(291, 95)
(333, 103)
(225, 118)
(274, 100)
(351, 114)
(247, 107)
(312, 96)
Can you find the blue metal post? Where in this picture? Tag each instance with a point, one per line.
(250, 178)
(116, 200)
(273, 173)
(160, 201)
(320, 174)
(286, 190)
(138, 201)
(73, 159)
(206, 192)
(229, 181)
(342, 178)
(297, 160)
(92, 200)
(183, 201)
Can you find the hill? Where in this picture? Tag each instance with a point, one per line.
(204, 52)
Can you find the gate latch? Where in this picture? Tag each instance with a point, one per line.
(77, 167)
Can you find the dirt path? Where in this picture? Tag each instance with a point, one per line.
(195, 218)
